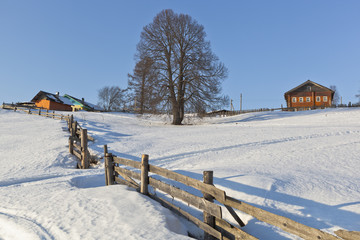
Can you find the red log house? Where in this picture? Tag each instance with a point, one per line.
(52, 101)
(309, 95)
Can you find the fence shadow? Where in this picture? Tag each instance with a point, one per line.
(313, 214)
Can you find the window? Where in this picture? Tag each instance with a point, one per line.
(308, 99)
(301, 99)
(325, 99)
(294, 99)
(318, 99)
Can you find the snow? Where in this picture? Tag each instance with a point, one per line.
(301, 165)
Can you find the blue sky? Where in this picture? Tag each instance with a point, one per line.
(269, 47)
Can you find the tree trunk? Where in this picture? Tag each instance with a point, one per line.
(177, 118)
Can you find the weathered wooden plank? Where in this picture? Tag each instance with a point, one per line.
(77, 154)
(283, 223)
(236, 232)
(206, 188)
(188, 216)
(348, 235)
(127, 162)
(85, 160)
(144, 174)
(208, 218)
(71, 145)
(129, 179)
(124, 182)
(235, 216)
(77, 146)
(109, 169)
(189, 198)
(127, 172)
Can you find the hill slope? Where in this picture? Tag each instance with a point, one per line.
(301, 165)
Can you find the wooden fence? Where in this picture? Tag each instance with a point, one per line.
(287, 109)
(78, 140)
(35, 111)
(214, 226)
(78, 143)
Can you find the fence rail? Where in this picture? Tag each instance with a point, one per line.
(287, 109)
(214, 226)
(35, 111)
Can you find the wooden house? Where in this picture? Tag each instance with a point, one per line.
(309, 95)
(51, 101)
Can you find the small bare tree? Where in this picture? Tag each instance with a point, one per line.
(358, 96)
(336, 98)
(189, 74)
(111, 98)
(144, 85)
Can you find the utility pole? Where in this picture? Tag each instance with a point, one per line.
(240, 102)
(231, 105)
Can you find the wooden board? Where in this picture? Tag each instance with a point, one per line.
(124, 182)
(189, 198)
(283, 223)
(127, 162)
(348, 235)
(188, 216)
(77, 154)
(127, 172)
(206, 188)
(236, 232)
(77, 146)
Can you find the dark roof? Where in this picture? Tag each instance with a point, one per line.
(52, 97)
(314, 87)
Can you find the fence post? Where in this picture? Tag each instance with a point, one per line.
(71, 146)
(39, 112)
(85, 162)
(73, 129)
(208, 219)
(53, 114)
(105, 150)
(70, 121)
(109, 169)
(144, 178)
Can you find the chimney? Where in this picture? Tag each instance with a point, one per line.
(82, 100)
(57, 94)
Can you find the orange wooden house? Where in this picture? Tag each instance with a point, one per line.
(309, 95)
(51, 101)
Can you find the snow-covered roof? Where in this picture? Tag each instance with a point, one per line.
(77, 101)
(52, 97)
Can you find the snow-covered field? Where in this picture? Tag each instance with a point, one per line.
(302, 165)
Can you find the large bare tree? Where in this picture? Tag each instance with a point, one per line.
(189, 74)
